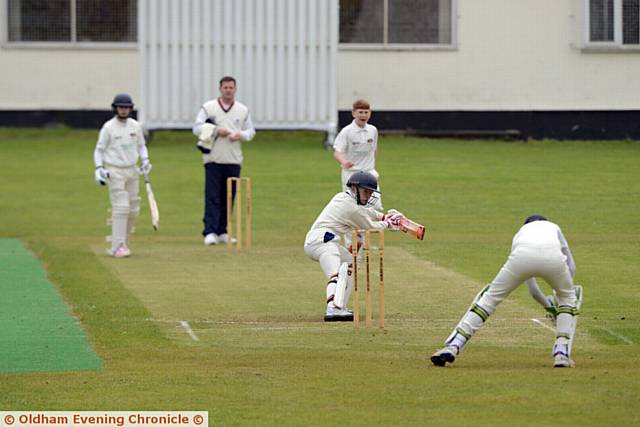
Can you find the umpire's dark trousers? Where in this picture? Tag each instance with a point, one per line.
(215, 196)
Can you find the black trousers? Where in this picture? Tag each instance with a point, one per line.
(215, 196)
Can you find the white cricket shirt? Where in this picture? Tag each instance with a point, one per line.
(540, 234)
(119, 142)
(343, 215)
(359, 145)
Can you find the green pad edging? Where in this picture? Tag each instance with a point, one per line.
(37, 332)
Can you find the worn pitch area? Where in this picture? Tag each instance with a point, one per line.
(38, 332)
(273, 297)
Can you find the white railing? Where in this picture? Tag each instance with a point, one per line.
(281, 52)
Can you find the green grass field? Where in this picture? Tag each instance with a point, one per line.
(263, 356)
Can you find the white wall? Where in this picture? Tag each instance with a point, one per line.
(65, 79)
(511, 55)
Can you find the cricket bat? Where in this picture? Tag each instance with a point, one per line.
(153, 206)
(412, 228)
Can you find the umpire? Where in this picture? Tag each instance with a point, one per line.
(221, 126)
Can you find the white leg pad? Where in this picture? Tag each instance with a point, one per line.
(574, 319)
(347, 292)
(118, 231)
(566, 324)
(134, 206)
(572, 332)
(131, 223)
(134, 211)
(343, 291)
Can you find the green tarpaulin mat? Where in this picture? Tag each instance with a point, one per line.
(37, 330)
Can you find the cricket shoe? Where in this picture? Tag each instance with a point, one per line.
(122, 252)
(561, 360)
(447, 354)
(561, 357)
(224, 238)
(211, 239)
(335, 314)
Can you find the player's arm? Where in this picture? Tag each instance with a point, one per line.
(535, 292)
(143, 152)
(374, 214)
(565, 250)
(340, 149)
(248, 131)
(342, 159)
(201, 119)
(145, 167)
(101, 174)
(375, 139)
(369, 219)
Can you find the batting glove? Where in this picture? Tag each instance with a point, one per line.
(101, 175)
(146, 167)
(394, 213)
(394, 216)
(391, 224)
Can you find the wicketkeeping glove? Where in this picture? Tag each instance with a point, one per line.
(102, 175)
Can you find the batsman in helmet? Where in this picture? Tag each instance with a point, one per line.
(348, 210)
(120, 147)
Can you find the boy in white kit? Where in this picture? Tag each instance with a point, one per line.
(538, 249)
(347, 211)
(120, 145)
(356, 146)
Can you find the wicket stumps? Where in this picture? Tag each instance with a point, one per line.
(367, 259)
(237, 183)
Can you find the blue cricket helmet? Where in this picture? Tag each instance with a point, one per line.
(535, 218)
(122, 100)
(363, 180)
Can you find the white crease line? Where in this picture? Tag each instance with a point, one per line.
(620, 337)
(543, 324)
(262, 329)
(187, 328)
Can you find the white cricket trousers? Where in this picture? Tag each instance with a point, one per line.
(330, 255)
(523, 263)
(125, 202)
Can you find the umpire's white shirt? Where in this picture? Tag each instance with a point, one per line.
(342, 215)
(359, 145)
(120, 142)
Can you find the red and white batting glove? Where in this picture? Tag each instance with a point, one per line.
(390, 223)
(394, 216)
